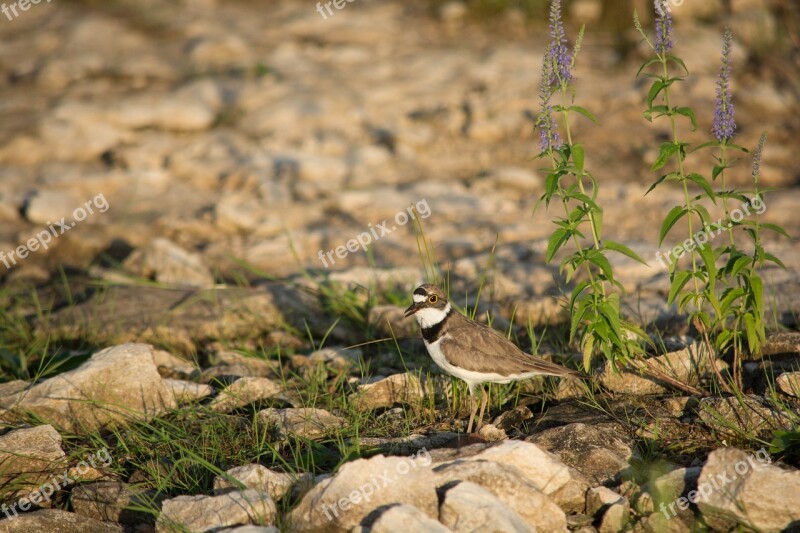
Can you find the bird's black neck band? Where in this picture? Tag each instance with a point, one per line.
(432, 333)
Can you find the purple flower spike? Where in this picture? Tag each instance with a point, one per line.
(724, 124)
(663, 27)
(546, 121)
(757, 156)
(558, 46)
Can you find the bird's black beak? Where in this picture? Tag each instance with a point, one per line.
(413, 308)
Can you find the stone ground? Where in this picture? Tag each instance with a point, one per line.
(219, 145)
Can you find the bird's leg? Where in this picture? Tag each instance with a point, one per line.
(484, 400)
(473, 408)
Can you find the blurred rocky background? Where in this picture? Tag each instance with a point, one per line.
(237, 140)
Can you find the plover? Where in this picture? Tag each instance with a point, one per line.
(472, 351)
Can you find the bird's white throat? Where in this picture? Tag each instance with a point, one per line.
(429, 317)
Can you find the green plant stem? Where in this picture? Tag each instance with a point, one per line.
(683, 180)
(565, 114)
(723, 162)
(687, 198)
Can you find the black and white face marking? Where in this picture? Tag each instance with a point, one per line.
(430, 306)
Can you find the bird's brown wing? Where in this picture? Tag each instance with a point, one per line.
(490, 351)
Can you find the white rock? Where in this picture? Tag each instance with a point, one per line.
(170, 264)
(259, 477)
(341, 502)
(470, 507)
(745, 489)
(244, 391)
(405, 517)
(115, 384)
(207, 513)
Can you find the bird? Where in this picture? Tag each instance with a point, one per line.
(472, 351)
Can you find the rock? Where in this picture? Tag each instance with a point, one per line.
(255, 476)
(509, 485)
(307, 423)
(565, 486)
(115, 384)
(172, 366)
(336, 358)
(789, 383)
(513, 419)
(613, 510)
(747, 414)
(412, 443)
(55, 520)
(389, 320)
(223, 52)
(205, 513)
(341, 502)
(781, 343)
(686, 366)
(600, 452)
(405, 388)
(244, 391)
(48, 206)
(737, 488)
(182, 318)
(28, 456)
(186, 391)
(404, 517)
(520, 180)
(249, 529)
(492, 433)
(469, 507)
(109, 501)
(666, 488)
(258, 367)
(168, 263)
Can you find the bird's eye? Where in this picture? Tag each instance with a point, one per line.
(433, 298)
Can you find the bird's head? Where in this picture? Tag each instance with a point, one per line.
(430, 305)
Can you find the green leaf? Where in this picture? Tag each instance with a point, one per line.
(577, 317)
(678, 283)
(673, 216)
(579, 288)
(702, 212)
(775, 228)
(729, 297)
(688, 113)
(667, 150)
(740, 264)
(578, 156)
(588, 349)
(647, 64)
(703, 183)
(757, 290)
(624, 250)
(654, 91)
(598, 259)
(557, 240)
(707, 255)
(678, 61)
(774, 259)
(752, 333)
(583, 111)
